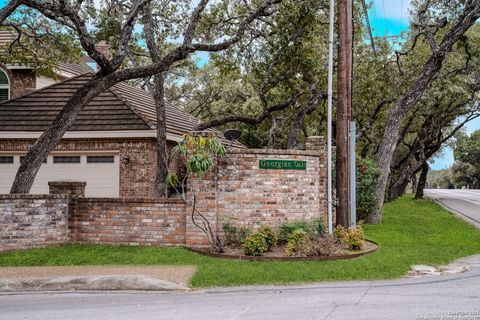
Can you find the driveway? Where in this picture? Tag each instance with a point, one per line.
(464, 203)
(446, 297)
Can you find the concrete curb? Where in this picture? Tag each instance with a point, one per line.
(89, 283)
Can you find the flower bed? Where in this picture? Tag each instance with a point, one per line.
(277, 253)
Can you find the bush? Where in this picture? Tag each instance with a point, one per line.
(269, 234)
(296, 240)
(325, 245)
(367, 181)
(353, 237)
(235, 236)
(255, 245)
(312, 227)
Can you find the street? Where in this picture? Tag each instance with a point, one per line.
(464, 203)
(447, 297)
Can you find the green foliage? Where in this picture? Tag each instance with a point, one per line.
(255, 245)
(269, 234)
(296, 240)
(353, 237)
(312, 227)
(199, 152)
(367, 181)
(466, 169)
(235, 236)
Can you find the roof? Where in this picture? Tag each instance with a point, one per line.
(122, 107)
(63, 69)
(6, 36)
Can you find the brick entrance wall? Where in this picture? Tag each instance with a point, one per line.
(240, 191)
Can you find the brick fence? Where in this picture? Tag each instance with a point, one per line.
(238, 189)
(131, 221)
(33, 221)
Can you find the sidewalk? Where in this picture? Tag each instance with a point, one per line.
(67, 278)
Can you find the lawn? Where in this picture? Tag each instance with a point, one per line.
(412, 232)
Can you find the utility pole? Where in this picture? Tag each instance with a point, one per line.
(329, 116)
(344, 108)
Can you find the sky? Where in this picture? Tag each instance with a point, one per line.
(387, 18)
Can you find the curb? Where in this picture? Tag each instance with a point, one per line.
(88, 283)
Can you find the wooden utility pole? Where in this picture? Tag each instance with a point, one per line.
(344, 108)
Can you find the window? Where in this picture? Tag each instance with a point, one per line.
(66, 159)
(4, 86)
(23, 158)
(6, 159)
(100, 159)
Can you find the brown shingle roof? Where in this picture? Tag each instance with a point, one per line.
(122, 107)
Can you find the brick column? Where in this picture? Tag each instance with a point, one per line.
(317, 144)
(72, 188)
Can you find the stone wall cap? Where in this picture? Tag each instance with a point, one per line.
(132, 200)
(286, 152)
(67, 183)
(32, 196)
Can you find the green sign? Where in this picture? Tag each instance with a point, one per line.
(283, 164)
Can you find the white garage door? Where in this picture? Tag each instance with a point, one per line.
(100, 171)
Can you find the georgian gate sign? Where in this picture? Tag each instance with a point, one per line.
(282, 164)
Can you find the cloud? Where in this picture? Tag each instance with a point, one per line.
(392, 9)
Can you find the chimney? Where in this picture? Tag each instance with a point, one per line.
(103, 47)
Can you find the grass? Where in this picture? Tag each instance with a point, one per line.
(412, 232)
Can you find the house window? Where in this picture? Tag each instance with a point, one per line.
(100, 159)
(4, 86)
(6, 159)
(66, 159)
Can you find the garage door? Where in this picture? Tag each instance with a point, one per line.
(100, 171)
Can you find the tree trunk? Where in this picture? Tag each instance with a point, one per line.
(47, 142)
(397, 190)
(295, 128)
(422, 181)
(414, 182)
(395, 115)
(162, 159)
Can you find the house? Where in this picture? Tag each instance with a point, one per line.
(18, 79)
(111, 145)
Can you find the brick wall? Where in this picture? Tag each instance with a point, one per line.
(33, 221)
(22, 82)
(240, 191)
(137, 159)
(130, 221)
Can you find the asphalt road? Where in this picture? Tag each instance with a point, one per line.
(464, 203)
(447, 297)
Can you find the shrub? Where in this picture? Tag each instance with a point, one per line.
(315, 227)
(269, 234)
(367, 181)
(312, 227)
(235, 236)
(255, 245)
(325, 245)
(296, 240)
(353, 237)
(287, 228)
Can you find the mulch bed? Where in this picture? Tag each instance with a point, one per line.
(278, 254)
